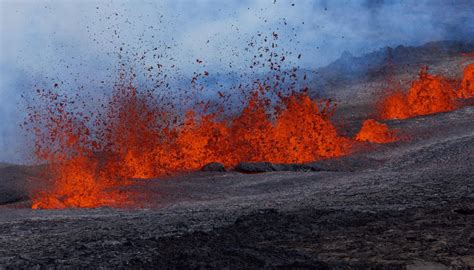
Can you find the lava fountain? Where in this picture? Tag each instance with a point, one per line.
(375, 132)
(91, 156)
(428, 94)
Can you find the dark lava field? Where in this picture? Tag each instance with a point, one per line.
(404, 205)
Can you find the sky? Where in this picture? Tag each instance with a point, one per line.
(81, 42)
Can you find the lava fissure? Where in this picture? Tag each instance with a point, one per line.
(90, 156)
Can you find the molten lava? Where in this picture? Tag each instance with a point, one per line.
(427, 95)
(467, 85)
(375, 132)
(92, 157)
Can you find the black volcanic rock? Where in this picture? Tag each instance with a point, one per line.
(213, 167)
(351, 163)
(14, 184)
(254, 167)
(260, 167)
(11, 196)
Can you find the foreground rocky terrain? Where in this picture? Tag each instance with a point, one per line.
(405, 205)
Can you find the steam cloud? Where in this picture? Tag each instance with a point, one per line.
(76, 42)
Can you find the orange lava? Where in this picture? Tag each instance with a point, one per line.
(375, 132)
(428, 95)
(92, 157)
(467, 85)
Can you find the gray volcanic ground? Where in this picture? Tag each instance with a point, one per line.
(405, 205)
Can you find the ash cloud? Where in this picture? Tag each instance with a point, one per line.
(77, 43)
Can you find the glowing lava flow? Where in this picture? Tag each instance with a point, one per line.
(92, 157)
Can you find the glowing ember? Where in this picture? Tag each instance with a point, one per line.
(375, 132)
(91, 157)
(427, 95)
(467, 85)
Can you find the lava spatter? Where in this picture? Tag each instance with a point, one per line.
(375, 132)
